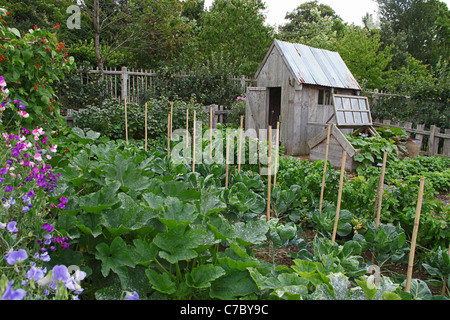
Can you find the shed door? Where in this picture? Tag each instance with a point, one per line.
(256, 109)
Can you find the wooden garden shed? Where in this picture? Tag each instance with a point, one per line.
(295, 85)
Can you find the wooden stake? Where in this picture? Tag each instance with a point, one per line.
(171, 119)
(193, 143)
(227, 157)
(277, 153)
(187, 128)
(168, 135)
(380, 192)
(325, 167)
(145, 125)
(240, 144)
(269, 164)
(414, 235)
(126, 120)
(338, 207)
(210, 130)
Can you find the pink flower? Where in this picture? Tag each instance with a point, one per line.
(2, 82)
(38, 157)
(23, 114)
(38, 131)
(53, 148)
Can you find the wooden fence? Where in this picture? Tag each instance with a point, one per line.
(432, 142)
(131, 83)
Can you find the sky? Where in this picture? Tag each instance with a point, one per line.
(351, 11)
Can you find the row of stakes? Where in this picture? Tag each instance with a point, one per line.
(378, 202)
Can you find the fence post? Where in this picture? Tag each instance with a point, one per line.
(431, 141)
(124, 78)
(446, 148)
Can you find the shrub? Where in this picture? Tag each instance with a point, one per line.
(30, 63)
(109, 118)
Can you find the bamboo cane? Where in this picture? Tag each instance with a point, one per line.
(210, 130)
(414, 235)
(227, 157)
(380, 192)
(325, 167)
(187, 128)
(126, 120)
(193, 143)
(338, 208)
(240, 144)
(171, 118)
(277, 152)
(168, 135)
(145, 125)
(269, 164)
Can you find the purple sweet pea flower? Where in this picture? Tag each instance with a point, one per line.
(11, 294)
(60, 273)
(9, 189)
(11, 227)
(35, 273)
(132, 296)
(16, 256)
(48, 227)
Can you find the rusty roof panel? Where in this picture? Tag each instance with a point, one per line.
(317, 66)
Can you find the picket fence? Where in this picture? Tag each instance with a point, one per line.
(131, 83)
(435, 143)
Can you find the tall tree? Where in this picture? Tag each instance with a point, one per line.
(362, 51)
(311, 23)
(418, 27)
(148, 29)
(236, 30)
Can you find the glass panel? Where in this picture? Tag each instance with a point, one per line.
(338, 103)
(340, 117)
(358, 119)
(349, 117)
(347, 104)
(365, 117)
(355, 105)
(362, 104)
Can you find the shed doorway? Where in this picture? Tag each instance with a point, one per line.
(274, 106)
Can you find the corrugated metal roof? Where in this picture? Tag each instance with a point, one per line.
(317, 66)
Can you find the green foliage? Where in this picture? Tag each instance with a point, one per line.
(417, 22)
(324, 221)
(30, 63)
(385, 242)
(210, 82)
(76, 93)
(437, 264)
(235, 112)
(372, 150)
(109, 118)
(247, 37)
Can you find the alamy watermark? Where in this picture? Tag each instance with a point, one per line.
(212, 148)
(74, 21)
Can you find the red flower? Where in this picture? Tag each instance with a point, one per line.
(35, 27)
(7, 13)
(57, 26)
(36, 87)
